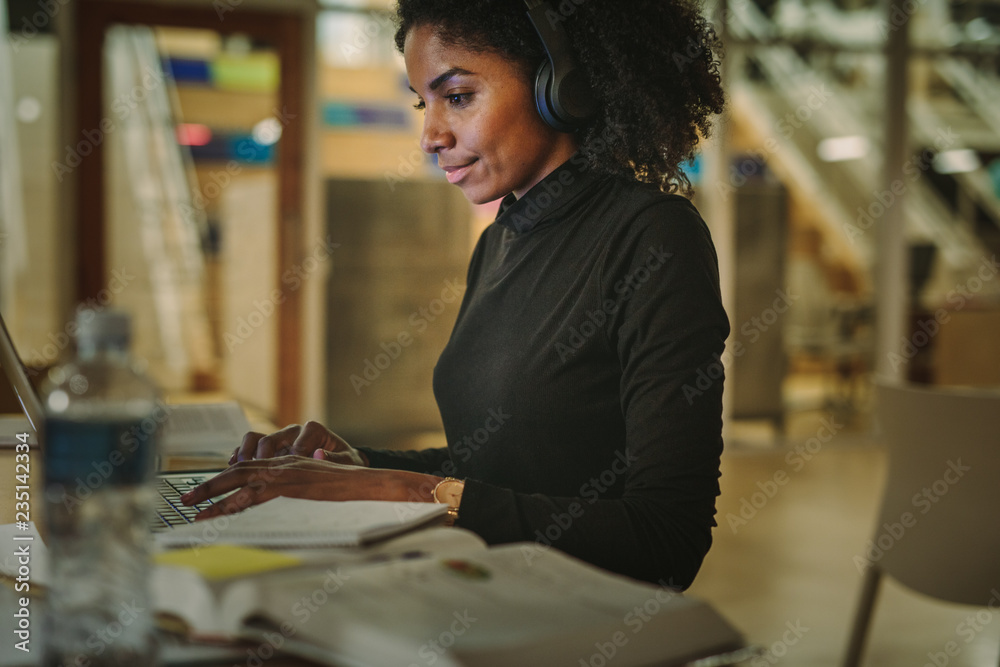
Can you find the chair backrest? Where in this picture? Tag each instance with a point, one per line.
(939, 527)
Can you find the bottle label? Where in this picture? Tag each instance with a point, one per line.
(98, 453)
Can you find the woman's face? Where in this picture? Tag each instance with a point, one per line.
(480, 119)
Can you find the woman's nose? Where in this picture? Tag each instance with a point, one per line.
(436, 134)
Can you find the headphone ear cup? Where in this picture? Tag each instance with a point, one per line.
(544, 83)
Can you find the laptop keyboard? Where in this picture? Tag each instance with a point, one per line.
(170, 511)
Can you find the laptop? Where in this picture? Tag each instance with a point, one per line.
(212, 428)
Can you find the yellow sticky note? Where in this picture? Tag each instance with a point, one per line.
(222, 561)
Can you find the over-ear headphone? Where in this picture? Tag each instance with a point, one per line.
(562, 93)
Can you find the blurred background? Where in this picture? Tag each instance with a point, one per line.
(234, 162)
(244, 177)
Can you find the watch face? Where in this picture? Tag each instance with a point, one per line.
(449, 491)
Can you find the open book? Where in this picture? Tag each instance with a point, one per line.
(438, 597)
(209, 593)
(459, 603)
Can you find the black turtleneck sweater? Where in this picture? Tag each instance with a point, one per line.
(581, 389)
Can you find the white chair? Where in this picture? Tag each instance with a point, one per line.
(945, 543)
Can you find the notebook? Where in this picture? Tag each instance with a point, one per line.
(285, 522)
(202, 428)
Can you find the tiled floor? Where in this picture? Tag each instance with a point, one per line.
(790, 563)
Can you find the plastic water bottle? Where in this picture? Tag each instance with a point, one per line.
(99, 448)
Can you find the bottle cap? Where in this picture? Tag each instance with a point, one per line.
(102, 329)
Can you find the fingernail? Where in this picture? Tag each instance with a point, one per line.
(187, 496)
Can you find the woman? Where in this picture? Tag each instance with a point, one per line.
(576, 389)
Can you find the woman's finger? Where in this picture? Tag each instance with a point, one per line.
(311, 437)
(244, 473)
(274, 444)
(247, 448)
(236, 502)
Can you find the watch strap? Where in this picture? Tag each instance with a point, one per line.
(449, 492)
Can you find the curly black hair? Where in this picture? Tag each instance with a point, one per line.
(653, 64)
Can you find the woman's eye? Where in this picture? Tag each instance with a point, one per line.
(455, 100)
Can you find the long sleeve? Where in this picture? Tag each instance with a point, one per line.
(649, 510)
(428, 461)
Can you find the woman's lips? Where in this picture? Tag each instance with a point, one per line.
(455, 174)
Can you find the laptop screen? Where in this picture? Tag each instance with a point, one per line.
(17, 375)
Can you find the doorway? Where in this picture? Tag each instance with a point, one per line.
(254, 166)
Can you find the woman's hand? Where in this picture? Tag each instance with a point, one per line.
(312, 440)
(300, 477)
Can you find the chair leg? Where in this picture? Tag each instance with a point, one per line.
(863, 616)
